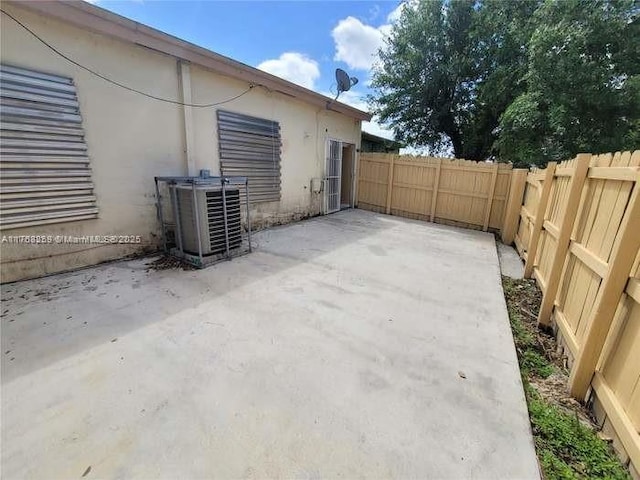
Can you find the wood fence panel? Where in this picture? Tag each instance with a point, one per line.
(412, 189)
(513, 206)
(621, 371)
(528, 212)
(616, 382)
(451, 191)
(559, 219)
(596, 305)
(373, 177)
(500, 197)
(544, 182)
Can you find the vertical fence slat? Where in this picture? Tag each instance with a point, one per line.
(621, 260)
(564, 235)
(492, 189)
(513, 206)
(434, 196)
(390, 184)
(534, 235)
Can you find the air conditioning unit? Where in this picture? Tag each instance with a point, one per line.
(209, 209)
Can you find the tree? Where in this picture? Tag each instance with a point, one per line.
(425, 79)
(524, 81)
(502, 30)
(449, 70)
(582, 84)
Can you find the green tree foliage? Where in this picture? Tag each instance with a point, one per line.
(425, 83)
(526, 81)
(501, 32)
(582, 84)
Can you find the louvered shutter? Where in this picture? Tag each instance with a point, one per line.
(250, 147)
(44, 165)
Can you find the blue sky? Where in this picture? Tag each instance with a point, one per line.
(302, 41)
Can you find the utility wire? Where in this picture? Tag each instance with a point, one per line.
(118, 84)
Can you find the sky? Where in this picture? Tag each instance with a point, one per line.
(301, 41)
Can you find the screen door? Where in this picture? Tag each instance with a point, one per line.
(332, 176)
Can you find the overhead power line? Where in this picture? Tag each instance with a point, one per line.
(116, 83)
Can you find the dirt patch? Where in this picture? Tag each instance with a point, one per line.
(553, 390)
(167, 262)
(523, 299)
(565, 433)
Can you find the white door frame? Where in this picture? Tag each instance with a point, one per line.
(332, 205)
(352, 199)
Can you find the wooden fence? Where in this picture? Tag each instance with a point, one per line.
(458, 192)
(579, 235)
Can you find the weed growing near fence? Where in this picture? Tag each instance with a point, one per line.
(567, 444)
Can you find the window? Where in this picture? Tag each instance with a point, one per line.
(44, 162)
(250, 147)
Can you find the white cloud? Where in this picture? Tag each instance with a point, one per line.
(356, 43)
(295, 67)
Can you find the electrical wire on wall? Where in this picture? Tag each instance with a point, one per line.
(116, 83)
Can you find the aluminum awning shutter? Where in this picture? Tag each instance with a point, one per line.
(44, 165)
(250, 147)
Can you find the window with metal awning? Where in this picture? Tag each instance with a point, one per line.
(250, 147)
(45, 175)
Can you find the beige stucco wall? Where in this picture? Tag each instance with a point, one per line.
(132, 138)
(304, 128)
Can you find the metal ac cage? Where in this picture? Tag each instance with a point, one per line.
(207, 222)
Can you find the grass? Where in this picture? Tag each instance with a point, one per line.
(567, 448)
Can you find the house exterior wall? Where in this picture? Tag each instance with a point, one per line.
(132, 138)
(304, 131)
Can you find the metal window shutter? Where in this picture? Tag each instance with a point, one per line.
(44, 166)
(250, 147)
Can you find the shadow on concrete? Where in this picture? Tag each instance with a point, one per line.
(46, 320)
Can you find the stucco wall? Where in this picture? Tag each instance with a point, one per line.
(304, 128)
(132, 138)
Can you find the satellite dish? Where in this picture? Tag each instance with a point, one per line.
(344, 81)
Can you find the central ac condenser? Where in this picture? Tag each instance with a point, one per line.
(216, 214)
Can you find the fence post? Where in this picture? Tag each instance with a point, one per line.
(581, 167)
(434, 193)
(390, 184)
(492, 190)
(613, 284)
(514, 203)
(532, 248)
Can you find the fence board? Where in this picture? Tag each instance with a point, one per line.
(566, 195)
(536, 201)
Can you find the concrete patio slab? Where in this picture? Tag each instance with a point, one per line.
(355, 345)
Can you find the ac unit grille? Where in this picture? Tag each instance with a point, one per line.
(211, 216)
